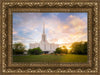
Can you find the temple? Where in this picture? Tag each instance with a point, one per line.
(44, 44)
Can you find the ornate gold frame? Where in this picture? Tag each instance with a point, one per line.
(49, 6)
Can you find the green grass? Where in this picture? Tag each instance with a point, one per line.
(51, 58)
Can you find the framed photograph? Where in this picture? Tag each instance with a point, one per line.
(58, 40)
(49, 37)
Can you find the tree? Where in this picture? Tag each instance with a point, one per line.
(79, 48)
(62, 49)
(85, 48)
(18, 48)
(58, 50)
(35, 51)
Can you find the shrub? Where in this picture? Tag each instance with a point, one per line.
(35, 51)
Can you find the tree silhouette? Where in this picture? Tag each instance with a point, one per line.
(79, 48)
(18, 48)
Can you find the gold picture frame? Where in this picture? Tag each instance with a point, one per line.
(8, 7)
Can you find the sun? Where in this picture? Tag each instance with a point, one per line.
(68, 48)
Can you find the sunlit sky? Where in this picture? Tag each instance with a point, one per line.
(60, 28)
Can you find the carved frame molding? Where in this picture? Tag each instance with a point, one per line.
(49, 6)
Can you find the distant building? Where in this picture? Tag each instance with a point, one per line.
(44, 44)
(25, 52)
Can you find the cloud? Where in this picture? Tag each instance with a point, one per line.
(14, 32)
(53, 40)
(26, 22)
(28, 27)
(77, 23)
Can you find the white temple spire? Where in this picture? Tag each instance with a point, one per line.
(43, 28)
(44, 44)
(43, 34)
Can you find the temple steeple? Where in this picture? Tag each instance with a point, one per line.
(44, 44)
(43, 28)
(44, 35)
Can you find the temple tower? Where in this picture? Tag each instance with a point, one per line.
(44, 35)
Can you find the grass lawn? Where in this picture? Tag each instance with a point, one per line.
(51, 58)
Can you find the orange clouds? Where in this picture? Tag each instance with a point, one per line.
(77, 23)
(14, 32)
(65, 27)
(70, 32)
(59, 28)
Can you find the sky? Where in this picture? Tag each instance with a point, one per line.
(60, 28)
